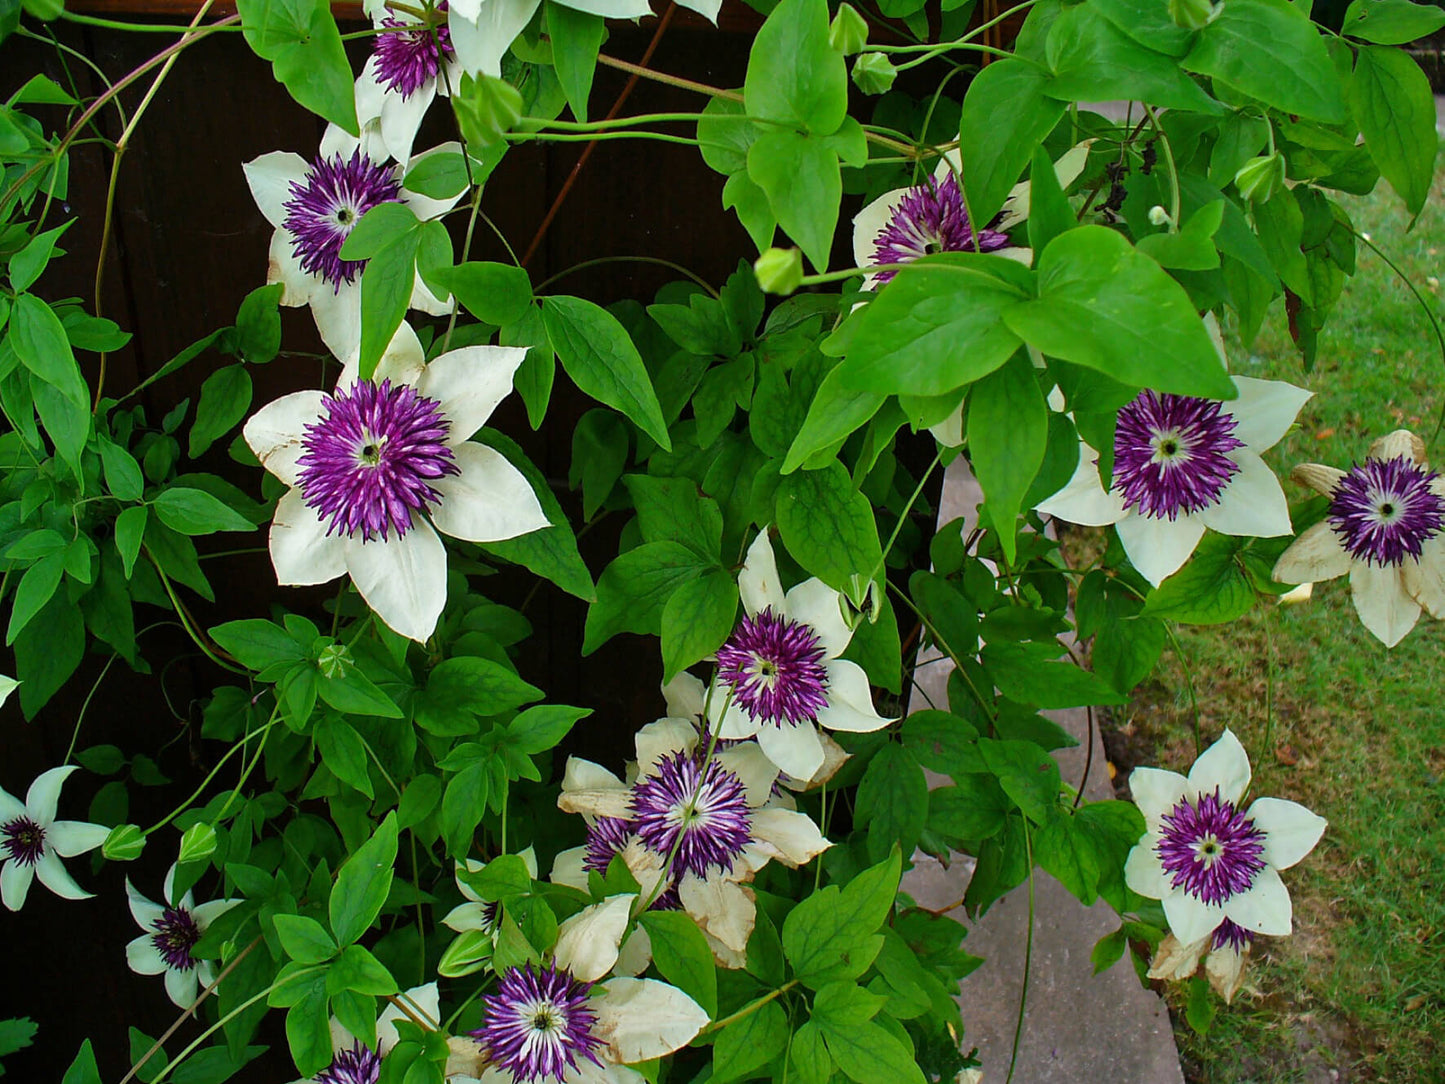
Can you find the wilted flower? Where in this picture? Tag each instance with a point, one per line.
(1205, 858)
(32, 841)
(1224, 953)
(172, 930)
(1385, 527)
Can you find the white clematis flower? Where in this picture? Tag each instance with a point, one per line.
(32, 841)
(412, 62)
(356, 1063)
(1205, 858)
(377, 467)
(172, 930)
(479, 913)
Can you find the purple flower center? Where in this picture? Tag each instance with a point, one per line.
(1171, 454)
(606, 838)
(324, 208)
(1210, 849)
(1384, 510)
(1228, 933)
(370, 462)
(697, 814)
(539, 1024)
(355, 1066)
(774, 667)
(175, 934)
(23, 840)
(409, 58)
(931, 218)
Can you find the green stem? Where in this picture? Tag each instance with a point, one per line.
(942, 645)
(80, 718)
(750, 1008)
(1189, 684)
(133, 28)
(1173, 172)
(932, 46)
(627, 259)
(187, 622)
(1028, 958)
(596, 137)
(206, 782)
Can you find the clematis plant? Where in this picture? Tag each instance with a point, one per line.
(172, 930)
(32, 841)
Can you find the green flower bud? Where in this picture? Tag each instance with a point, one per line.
(198, 842)
(848, 33)
(779, 270)
(124, 843)
(1192, 14)
(469, 952)
(334, 660)
(874, 73)
(1261, 177)
(486, 107)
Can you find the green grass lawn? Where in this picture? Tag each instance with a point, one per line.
(1358, 732)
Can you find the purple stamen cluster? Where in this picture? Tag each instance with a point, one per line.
(774, 667)
(325, 206)
(606, 838)
(698, 814)
(359, 1065)
(1171, 454)
(23, 840)
(931, 218)
(370, 462)
(1384, 510)
(1210, 849)
(175, 934)
(1230, 934)
(410, 57)
(539, 1024)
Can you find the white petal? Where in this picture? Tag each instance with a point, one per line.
(1291, 830)
(1315, 555)
(1398, 444)
(793, 748)
(467, 916)
(792, 838)
(721, 907)
(181, 987)
(603, 802)
(270, 178)
(949, 432)
(660, 739)
(1382, 602)
(1224, 968)
(817, 605)
(283, 266)
(1317, 476)
(142, 956)
(751, 765)
(422, 298)
(469, 383)
(403, 579)
(584, 775)
(850, 703)
(635, 954)
(1425, 579)
(11, 807)
(301, 551)
(872, 221)
(1265, 908)
(370, 93)
(587, 942)
(758, 582)
(567, 868)
(734, 723)
(641, 1019)
(1159, 547)
(1190, 919)
(275, 431)
(44, 794)
(1225, 765)
(337, 312)
(402, 362)
(490, 500)
(402, 116)
(1252, 504)
(54, 876)
(612, 9)
(143, 910)
(1175, 961)
(1143, 871)
(70, 838)
(1084, 500)
(1156, 792)
(208, 912)
(337, 140)
(422, 1003)
(683, 696)
(1264, 410)
(481, 42)
(15, 878)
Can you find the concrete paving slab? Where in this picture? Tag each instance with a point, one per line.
(1079, 1028)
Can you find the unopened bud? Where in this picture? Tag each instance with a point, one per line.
(124, 843)
(874, 73)
(334, 660)
(1260, 178)
(469, 952)
(848, 33)
(198, 842)
(779, 270)
(1158, 216)
(1192, 14)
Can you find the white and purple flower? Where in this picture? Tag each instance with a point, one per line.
(172, 930)
(412, 61)
(1209, 860)
(377, 467)
(32, 841)
(354, 1062)
(1385, 527)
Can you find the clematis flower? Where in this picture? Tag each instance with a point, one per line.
(1183, 464)
(376, 465)
(412, 61)
(692, 830)
(1208, 860)
(1224, 953)
(356, 1063)
(172, 930)
(314, 207)
(1385, 527)
(478, 913)
(545, 1024)
(32, 841)
(779, 675)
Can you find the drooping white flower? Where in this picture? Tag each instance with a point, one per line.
(1385, 527)
(376, 465)
(1208, 860)
(779, 674)
(1183, 464)
(32, 841)
(172, 930)
(412, 62)
(478, 913)
(314, 207)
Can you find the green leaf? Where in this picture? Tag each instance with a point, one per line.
(495, 293)
(359, 971)
(1106, 306)
(39, 90)
(1032, 674)
(1271, 51)
(486, 107)
(827, 934)
(1028, 775)
(463, 804)
(633, 590)
(602, 361)
(438, 176)
(868, 1053)
(1210, 590)
(1192, 247)
(343, 752)
(1008, 428)
(68, 422)
(600, 442)
(225, 398)
(300, 39)
(543, 727)
(256, 643)
(304, 939)
(258, 324)
(794, 75)
(47, 653)
(418, 801)
(811, 1062)
(834, 415)
(940, 741)
(973, 809)
(27, 264)
(83, 1069)
(576, 37)
(308, 1031)
(36, 588)
(1148, 22)
(40, 342)
(473, 686)
(1391, 22)
(892, 801)
(1050, 212)
(1067, 851)
(16, 1034)
(195, 512)
(122, 473)
(377, 228)
(745, 196)
(995, 154)
(724, 138)
(747, 1045)
(355, 694)
(828, 526)
(804, 183)
(1390, 99)
(130, 527)
(673, 510)
(362, 884)
(386, 288)
(696, 619)
(504, 876)
(844, 1005)
(681, 953)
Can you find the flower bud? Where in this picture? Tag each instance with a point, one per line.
(848, 33)
(779, 270)
(486, 107)
(124, 843)
(1261, 177)
(1158, 216)
(334, 661)
(1192, 14)
(469, 952)
(198, 842)
(874, 73)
